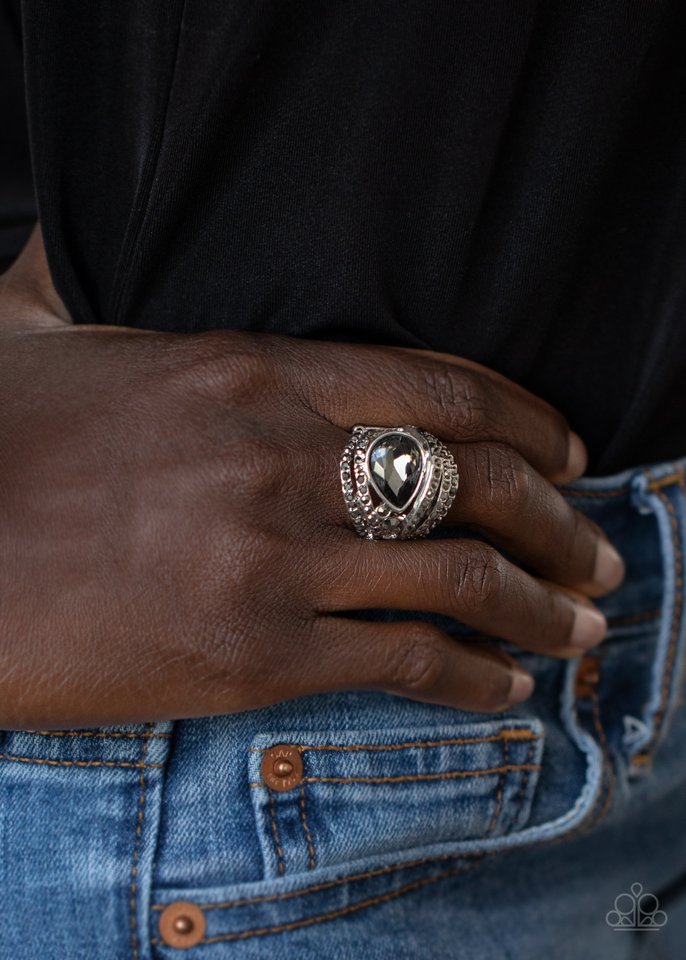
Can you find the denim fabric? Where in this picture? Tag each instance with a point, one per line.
(417, 831)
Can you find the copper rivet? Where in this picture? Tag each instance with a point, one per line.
(182, 924)
(282, 767)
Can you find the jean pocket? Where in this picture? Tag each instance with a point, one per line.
(327, 798)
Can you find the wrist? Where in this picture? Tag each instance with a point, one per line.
(28, 298)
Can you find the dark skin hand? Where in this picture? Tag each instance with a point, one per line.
(173, 537)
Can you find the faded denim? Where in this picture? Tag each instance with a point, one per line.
(417, 831)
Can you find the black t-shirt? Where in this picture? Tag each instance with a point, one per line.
(17, 207)
(502, 180)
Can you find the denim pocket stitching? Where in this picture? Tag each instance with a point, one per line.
(342, 911)
(364, 875)
(129, 735)
(445, 775)
(628, 619)
(505, 734)
(276, 836)
(140, 813)
(312, 862)
(508, 750)
(91, 747)
(329, 884)
(79, 763)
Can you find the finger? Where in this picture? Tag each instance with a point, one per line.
(413, 659)
(455, 400)
(501, 495)
(465, 579)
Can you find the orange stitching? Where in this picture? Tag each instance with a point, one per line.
(587, 674)
(595, 493)
(93, 733)
(275, 835)
(668, 481)
(634, 617)
(448, 775)
(79, 763)
(328, 884)
(306, 830)
(501, 789)
(136, 852)
(342, 911)
(506, 734)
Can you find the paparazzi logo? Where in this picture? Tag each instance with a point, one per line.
(636, 910)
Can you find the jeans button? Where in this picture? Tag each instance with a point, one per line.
(182, 924)
(282, 767)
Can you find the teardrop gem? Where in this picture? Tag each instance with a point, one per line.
(396, 466)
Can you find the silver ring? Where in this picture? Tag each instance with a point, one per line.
(398, 482)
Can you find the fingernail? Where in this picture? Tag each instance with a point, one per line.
(589, 627)
(577, 457)
(609, 566)
(522, 686)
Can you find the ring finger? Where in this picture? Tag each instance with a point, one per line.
(500, 494)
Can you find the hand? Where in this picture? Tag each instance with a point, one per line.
(173, 538)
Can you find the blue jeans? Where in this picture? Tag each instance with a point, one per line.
(362, 825)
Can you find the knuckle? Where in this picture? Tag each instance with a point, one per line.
(480, 578)
(508, 478)
(571, 538)
(557, 620)
(417, 663)
(587, 537)
(496, 689)
(254, 467)
(457, 395)
(232, 366)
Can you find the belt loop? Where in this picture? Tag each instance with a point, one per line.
(661, 491)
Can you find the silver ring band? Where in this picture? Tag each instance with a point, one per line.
(398, 482)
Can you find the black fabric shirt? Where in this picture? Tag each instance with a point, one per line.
(17, 207)
(502, 180)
